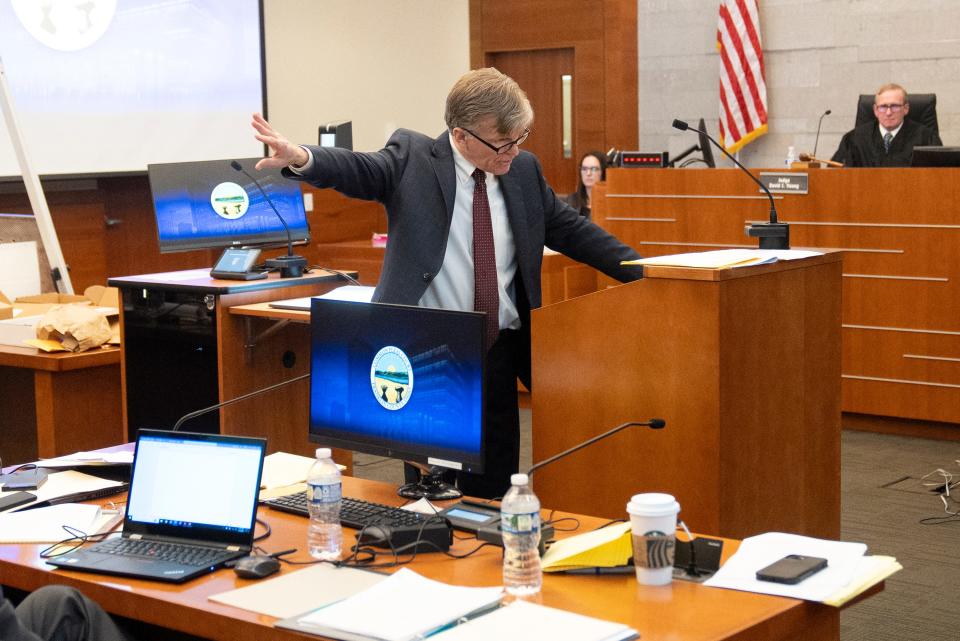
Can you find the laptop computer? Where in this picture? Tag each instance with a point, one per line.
(192, 507)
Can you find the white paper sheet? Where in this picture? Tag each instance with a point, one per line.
(756, 552)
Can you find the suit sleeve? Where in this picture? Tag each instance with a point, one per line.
(573, 235)
(368, 176)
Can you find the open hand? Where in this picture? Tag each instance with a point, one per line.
(284, 152)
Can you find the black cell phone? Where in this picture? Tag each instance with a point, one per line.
(15, 499)
(792, 569)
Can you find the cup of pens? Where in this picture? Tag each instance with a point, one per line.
(653, 522)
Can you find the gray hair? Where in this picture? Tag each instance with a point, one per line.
(481, 93)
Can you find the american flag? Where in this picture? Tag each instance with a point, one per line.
(743, 90)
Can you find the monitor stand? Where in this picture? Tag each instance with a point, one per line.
(431, 486)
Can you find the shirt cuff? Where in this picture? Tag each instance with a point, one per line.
(305, 166)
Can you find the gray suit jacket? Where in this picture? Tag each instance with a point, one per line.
(414, 178)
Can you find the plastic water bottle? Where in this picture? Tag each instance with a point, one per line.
(324, 536)
(791, 156)
(520, 525)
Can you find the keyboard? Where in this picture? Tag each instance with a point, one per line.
(195, 555)
(354, 513)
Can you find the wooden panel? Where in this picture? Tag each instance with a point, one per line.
(281, 415)
(78, 410)
(603, 36)
(901, 274)
(744, 371)
(539, 72)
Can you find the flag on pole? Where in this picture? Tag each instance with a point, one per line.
(743, 90)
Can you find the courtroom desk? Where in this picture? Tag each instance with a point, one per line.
(183, 352)
(899, 230)
(680, 612)
(54, 404)
(744, 366)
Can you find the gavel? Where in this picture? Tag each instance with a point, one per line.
(828, 163)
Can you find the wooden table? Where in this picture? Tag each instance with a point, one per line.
(54, 404)
(679, 612)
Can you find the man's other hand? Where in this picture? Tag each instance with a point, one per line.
(284, 152)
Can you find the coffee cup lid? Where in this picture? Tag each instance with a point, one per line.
(652, 504)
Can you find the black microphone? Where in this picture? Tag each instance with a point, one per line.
(291, 265)
(262, 390)
(653, 423)
(773, 234)
(816, 141)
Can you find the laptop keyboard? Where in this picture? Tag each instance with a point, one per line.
(354, 513)
(193, 555)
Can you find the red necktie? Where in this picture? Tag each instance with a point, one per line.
(486, 297)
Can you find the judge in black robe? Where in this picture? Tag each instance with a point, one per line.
(863, 146)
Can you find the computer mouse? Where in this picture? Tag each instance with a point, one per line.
(256, 566)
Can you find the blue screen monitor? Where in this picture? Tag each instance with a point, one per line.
(398, 381)
(209, 205)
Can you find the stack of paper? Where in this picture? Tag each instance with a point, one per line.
(407, 606)
(725, 258)
(46, 524)
(537, 621)
(604, 548)
(848, 573)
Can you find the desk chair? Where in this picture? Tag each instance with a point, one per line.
(923, 109)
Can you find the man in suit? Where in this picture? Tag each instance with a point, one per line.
(471, 192)
(56, 613)
(889, 142)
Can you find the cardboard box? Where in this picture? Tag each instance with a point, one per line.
(13, 331)
(6, 307)
(34, 307)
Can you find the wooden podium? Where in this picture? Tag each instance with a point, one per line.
(744, 366)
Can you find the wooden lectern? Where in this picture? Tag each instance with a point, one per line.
(744, 366)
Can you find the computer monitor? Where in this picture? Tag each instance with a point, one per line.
(402, 382)
(210, 205)
(336, 134)
(936, 157)
(706, 150)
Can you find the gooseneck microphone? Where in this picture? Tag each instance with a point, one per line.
(773, 234)
(257, 392)
(816, 141)
(653, 423)
(291, 265)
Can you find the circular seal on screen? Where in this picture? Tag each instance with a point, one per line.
(391, 377)
(65, 25)
(229, 200)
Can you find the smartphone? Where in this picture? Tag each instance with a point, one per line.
(792, 569)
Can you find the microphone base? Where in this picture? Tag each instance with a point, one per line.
(290, 266)
(771, 235)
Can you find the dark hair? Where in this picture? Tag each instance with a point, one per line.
(581, 190)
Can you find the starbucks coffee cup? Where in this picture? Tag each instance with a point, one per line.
(653, 520)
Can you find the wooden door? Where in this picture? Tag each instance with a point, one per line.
(539, 73)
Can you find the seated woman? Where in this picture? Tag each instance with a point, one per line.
(593, 169)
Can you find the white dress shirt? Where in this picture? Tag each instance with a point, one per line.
(452, 287)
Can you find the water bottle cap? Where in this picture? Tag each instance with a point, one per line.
(323, 452)
(519, 479)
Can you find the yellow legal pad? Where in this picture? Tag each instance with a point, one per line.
(604, 548)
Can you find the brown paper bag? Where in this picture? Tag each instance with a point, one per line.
(77, 327)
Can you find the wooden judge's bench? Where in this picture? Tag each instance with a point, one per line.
(899, 230)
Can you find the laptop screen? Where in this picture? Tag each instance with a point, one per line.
(195, 486)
